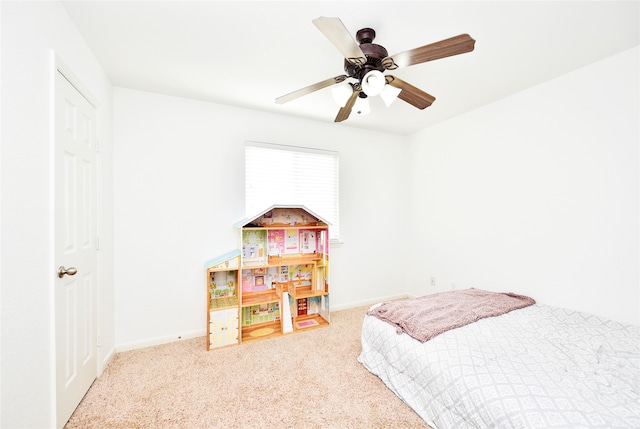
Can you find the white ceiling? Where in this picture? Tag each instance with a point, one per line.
(246, 54)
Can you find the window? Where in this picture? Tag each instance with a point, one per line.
(276, 174)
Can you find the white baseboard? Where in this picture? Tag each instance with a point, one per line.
(107, 360)
(367, 302)
(202, 332)
(160, 340)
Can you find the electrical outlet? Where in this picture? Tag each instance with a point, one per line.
(453, 286)
(433, 281)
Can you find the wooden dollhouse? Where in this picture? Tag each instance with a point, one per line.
(276, 283)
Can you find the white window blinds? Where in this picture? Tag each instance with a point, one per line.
(277, 174)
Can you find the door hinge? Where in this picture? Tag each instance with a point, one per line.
(98, 145)
(97, 243)
(99, 340)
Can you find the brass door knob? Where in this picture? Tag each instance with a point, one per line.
(71, 271)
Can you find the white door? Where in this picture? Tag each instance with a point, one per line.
(75, 247)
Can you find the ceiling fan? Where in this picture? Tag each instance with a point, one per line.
(366, 61)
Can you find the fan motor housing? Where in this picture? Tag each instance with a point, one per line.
(373, 52)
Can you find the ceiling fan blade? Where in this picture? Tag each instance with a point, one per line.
(409, 93)
(337, 33)
(345, 111)
(442, 49)
(309, 89)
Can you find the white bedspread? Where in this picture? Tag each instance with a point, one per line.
(537, 367)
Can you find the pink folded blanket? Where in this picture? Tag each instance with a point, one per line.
(428, 316)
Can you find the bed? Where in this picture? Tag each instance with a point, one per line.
(533, 367)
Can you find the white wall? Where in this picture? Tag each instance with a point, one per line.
(537, 194)
(179, 186)
(29, 31)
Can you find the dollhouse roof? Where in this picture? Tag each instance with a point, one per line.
(222, 259)
(252, 219)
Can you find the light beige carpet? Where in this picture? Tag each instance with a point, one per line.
(309, 379)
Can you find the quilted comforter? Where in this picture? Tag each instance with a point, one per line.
(536, 367)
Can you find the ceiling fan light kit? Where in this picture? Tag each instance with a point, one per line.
(341, 93)
(373, 83)
(389, 94)
(362, 106)
(366, 62)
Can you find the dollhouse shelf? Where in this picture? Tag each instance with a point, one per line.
(225, 302)
(276, 261)
(257, 298)
(261, 331)
(303, 322)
